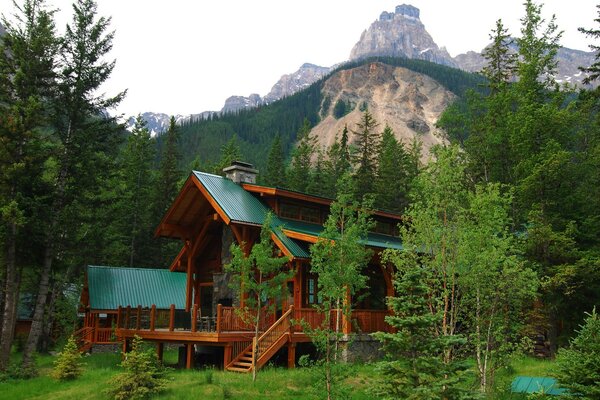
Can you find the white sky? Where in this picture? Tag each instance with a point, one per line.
(186, 56)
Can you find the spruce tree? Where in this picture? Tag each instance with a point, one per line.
(392, 181)
(594, 69)
(230, 152)
(28, 54)
(169, 173)
(368, 140)
(500, 59)
(300, 165)
(86, 138)
(275, 171)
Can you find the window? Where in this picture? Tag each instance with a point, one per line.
(311, 295)
(300, 212)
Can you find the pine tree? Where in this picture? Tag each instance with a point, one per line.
(415, 367)
(86, 137)
(318, 183)
(138, 180)
(392, 182)
(300, 165)
(365, 160)
(68, 363)
(169, 170)
(275, 171)
(594, 69)
(28, 53)
(500, 59)
(230, 152)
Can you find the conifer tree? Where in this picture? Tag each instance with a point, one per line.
(500, 59)
(169, 170)
(68, 363)
(365, 160)
(28, 54)
(138, 180)
(392, 181)
(86, 136)
(300, 165)
(594, 69)
(230, 152)
(275, 171)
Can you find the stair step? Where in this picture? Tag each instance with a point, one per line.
(243, 358)
(242, 364)
(234, 369)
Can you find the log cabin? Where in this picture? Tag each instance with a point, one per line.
(209, 214)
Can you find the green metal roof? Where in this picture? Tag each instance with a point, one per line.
(111, 287)
(238, 204)
(373, 239)
(534, 384)
(242, 206)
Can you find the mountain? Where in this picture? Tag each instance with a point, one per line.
(569, 61)
(407, 94)
(400, 34)
(287, 85)
(409, 102)
(155, 122)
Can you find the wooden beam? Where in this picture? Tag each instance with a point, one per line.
(189, 288)
(281, 246)
(159, 351)
(189, 360)
(291, 361)
(300, 236)
(211, 200)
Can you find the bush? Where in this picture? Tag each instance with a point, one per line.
(68, 364)
(143, 375)
(579, 365)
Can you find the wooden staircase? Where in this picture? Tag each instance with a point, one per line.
(265, 346)
(83, 338)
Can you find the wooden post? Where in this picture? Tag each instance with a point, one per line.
(172, 318)
(219, 317)
(119, 317)
(152, 317)
(159, 351)
(227, 353)
(127, 317)
(96, 328)
(194, 317)
(189, 283)
(291, 361)
(189, 356)
(139, 315)
(124, 345)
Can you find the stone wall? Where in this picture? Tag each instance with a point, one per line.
(361, 347)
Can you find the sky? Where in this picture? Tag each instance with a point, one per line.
(188, 56)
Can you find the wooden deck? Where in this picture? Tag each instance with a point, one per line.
(229, 325)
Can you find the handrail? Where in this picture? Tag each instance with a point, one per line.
(278, 322)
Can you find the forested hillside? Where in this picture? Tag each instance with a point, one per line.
(256, 128)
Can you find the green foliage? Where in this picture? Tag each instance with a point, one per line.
(579, 364)
(415, 366)
(368, 142)
(230, 152)
(258, 278)
(594, 69)
(342, 108)
(392, 182)
(300, 164)
(68, 364)
(142, 377)
(275, 171)
(338, 259)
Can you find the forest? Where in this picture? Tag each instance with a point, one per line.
(501, 228)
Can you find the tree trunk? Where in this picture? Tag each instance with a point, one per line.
(49, 320)
(40, 307)
(10, 298)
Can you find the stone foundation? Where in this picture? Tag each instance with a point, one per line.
(361, 347)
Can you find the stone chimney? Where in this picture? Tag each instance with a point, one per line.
(241, 172)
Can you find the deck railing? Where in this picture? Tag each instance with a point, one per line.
(232, 319)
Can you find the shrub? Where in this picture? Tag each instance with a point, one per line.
(142, 376)
(579, 365)
(68, 364)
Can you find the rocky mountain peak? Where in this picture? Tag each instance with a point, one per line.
(400, 34)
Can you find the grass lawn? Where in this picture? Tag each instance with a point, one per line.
(272, 383)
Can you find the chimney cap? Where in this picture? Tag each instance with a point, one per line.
(241, 172)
